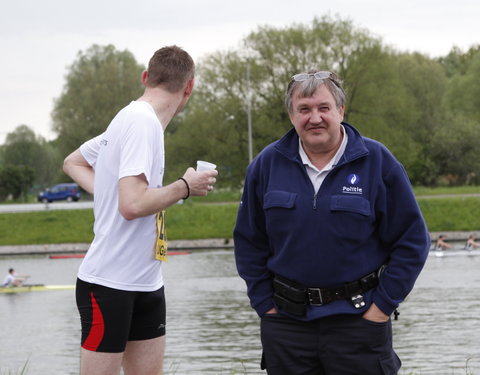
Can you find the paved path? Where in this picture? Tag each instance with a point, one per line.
(448, 196)
(28, 207)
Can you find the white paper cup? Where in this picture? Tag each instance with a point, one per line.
(205, 166)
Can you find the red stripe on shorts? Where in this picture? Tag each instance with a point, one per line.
(97, 330)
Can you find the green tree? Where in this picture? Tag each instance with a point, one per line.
(99, 83)
(213, 126)
(456, 143)
(15, 181)
(23, 148)
(456, 152)
(457, 61)
(398, 104)
(463, 96)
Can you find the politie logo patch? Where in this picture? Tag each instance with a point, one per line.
(353, 179)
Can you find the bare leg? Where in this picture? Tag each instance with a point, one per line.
(144, 357)
(93, 363)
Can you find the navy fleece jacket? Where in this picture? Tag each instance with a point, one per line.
(365, 215)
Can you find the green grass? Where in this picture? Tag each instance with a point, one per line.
(46, 227)
(451, 214)
(186, 221)
(221, 195)
(198, 221)
(214, 217)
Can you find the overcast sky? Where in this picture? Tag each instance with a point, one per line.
(40, 39)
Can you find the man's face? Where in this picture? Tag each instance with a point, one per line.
(317, 120)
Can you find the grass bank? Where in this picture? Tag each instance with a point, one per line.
(186, 221)
(214, 217)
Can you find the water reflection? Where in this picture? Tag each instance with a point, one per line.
(211, 328)
(439, 329)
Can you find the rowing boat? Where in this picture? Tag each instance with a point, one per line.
(453, 253)
(34, 288)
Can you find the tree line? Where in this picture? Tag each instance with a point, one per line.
(425, 110)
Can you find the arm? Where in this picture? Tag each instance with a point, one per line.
(136, 199)
(80, 164)
(252, 249)
(21, 278)
(404, 233)
(79, 170)
(445, 244)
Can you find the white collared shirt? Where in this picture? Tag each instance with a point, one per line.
(317, 176)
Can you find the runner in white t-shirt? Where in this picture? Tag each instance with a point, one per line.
(120, 293)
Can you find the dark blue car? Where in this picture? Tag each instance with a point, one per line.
(69, 192)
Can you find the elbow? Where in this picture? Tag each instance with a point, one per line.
(129, 211)
(131, 201)
(128, 215)
(67, 166)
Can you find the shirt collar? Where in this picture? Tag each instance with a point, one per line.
(306, 160)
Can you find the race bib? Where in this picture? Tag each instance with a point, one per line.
(161, 244)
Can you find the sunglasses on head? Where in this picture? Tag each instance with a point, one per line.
(318, 75)
(323, 74)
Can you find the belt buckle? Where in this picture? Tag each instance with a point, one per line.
(315, 296)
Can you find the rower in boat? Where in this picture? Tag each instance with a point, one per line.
(441, 245)
(471, 243)
(14, 279)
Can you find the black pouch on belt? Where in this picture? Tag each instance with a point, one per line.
(290, 296)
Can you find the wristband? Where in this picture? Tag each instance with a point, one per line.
(188, 187)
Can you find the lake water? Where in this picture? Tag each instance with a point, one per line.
(211, 328)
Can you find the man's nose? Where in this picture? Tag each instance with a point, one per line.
(315, 117)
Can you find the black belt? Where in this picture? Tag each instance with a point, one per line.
(293, 297)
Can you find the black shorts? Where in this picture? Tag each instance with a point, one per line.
(111, 317)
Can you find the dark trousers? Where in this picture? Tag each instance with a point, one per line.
(337, 345)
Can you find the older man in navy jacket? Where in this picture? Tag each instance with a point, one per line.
(329, 240)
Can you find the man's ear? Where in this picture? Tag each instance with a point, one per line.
(144, 77)
(342, 111)
(189, 88)
(290, 115)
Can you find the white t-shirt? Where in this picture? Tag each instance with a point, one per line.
(122, 254)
